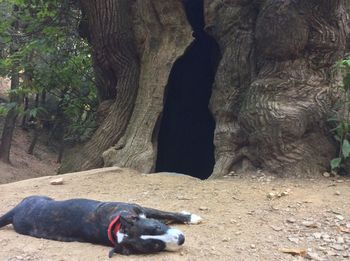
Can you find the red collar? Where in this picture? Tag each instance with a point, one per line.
(113, 229)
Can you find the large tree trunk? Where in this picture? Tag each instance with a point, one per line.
(125, 34)
(280, 56)
(165, 34)
(272, 92)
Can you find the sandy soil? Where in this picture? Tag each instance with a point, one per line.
(245, 218)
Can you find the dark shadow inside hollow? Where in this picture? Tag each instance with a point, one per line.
(186, 132)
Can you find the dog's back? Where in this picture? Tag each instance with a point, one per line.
(69, 220)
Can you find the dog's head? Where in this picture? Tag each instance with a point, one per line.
(139, 234)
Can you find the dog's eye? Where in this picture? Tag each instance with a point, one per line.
(156, 229)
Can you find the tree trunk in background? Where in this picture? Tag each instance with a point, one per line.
(277, 72)
(163, 34)
(25, 111)
(35, 137)
(115, 54)
(125, 34)
(10, 120)
(272, 93)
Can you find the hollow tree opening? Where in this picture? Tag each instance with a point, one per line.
(185, 139)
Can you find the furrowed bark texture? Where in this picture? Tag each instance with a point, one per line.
(273, 89)
(163, 35)
(126, 36)
(114, 53)
(274, 85)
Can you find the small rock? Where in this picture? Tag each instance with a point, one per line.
(226, 239)
(313, 256)
(203, 208)
(291, 220)
(310, 224)
(232, 173)
(321, 248)
(325, 236)
(58, 181)
(340, 240)
(337, 247)
(181, 197)
(340, 181)
(252, 246)
(271, 195)
(317, 235)
(340, 217)
(284, 193)
(326, 174)
(276, 228)
(336, 212)
(331, 253)
(293, 239)
(337, 193)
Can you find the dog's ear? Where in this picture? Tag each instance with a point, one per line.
(120, 249)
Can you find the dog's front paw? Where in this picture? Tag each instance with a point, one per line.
(194, 219)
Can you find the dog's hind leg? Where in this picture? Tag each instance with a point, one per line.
(172, 217)
(7, 218)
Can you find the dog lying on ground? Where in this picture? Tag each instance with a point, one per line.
(128, 228)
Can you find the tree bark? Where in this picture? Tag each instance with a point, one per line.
(35, 137)
(273, 90)
(277, 71)
(25, 111)
(10, 120)
(115, 54)
(163, 36)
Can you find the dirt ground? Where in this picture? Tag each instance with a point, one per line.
(245, 218)
(25, 166)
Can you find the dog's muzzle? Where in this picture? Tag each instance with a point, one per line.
(173, 239)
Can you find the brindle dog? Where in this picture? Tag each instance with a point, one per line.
(129, 228)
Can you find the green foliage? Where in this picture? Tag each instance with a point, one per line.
(51, 58)
(341, 121)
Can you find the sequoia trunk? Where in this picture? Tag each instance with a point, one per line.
(273, 87)
(111, 34)
(277, 72)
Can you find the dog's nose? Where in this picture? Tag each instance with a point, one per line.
(181, 240)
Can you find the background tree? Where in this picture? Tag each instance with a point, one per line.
(13, 46)
(57, 80)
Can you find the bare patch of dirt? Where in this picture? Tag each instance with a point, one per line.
(245, 218)
(25, 166)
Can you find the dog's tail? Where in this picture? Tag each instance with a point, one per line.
(7, 218)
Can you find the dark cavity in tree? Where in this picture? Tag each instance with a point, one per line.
(186, 132)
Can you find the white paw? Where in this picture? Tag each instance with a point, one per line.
(194, 219)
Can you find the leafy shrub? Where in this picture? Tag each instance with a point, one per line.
(341, 164)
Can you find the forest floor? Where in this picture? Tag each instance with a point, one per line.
(25, 166)
(245, 217)
(250, 217)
